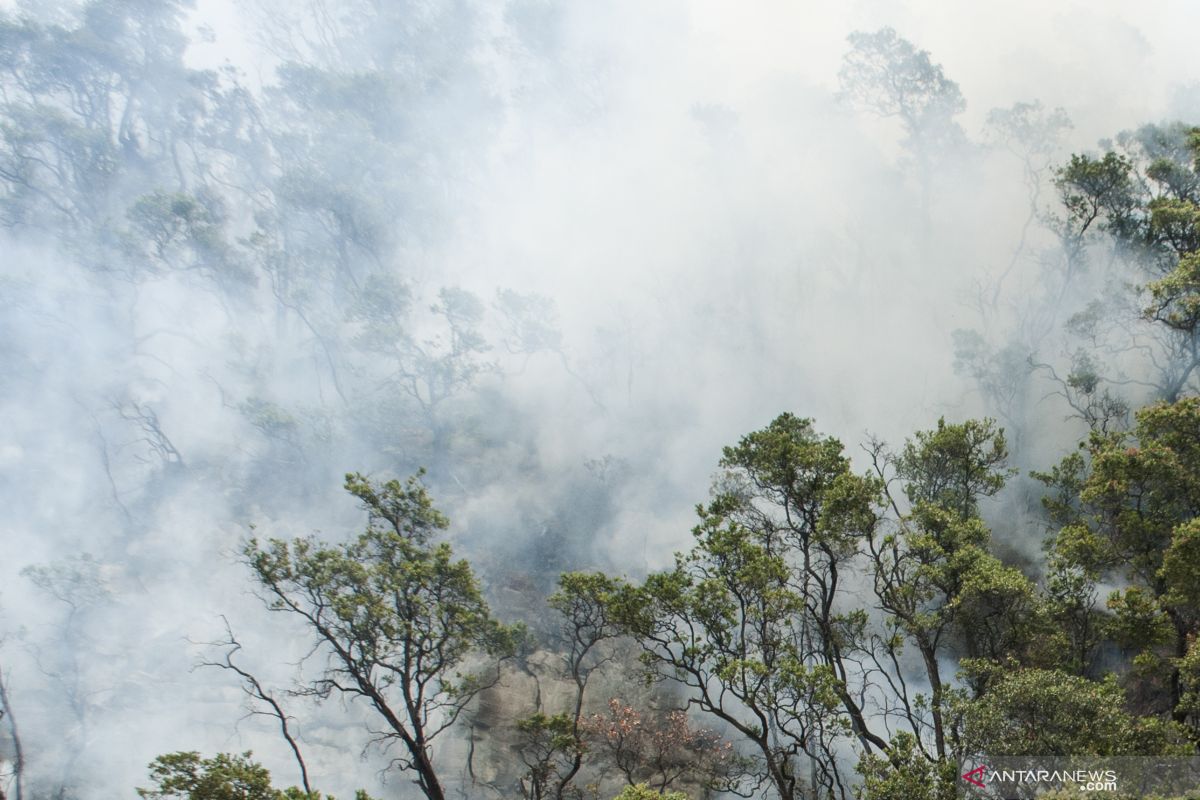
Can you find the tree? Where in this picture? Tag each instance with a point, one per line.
(401, 623)
(763, 621)
(258, 696)
(1002, 363)
(78, 587)
(1050, 713)
(16, 775)
(747, 621)
(660, 749)
(225, 776)
(103, 110)
(429, 372)
(906, 774)
(953, 466)
(888, 76)
(933, 576)
(1141, 198)
(1032, 134)
(551, 750)
(222, 777)
(726, 624)
(643, 792)
(1129, 512)
(553, 746)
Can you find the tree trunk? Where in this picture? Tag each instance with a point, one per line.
(935, 684)
(426, 776)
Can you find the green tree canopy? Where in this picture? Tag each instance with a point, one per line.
(225, 776)
(1129, 511)
(403, 625)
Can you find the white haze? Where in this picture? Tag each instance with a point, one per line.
(723, 240)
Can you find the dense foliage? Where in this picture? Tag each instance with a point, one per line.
(845, 622)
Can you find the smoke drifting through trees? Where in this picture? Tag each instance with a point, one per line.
(558, 256)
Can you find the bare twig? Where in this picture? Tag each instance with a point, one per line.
(256, 692)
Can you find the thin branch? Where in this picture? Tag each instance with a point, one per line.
(6, 712)
(255, 690)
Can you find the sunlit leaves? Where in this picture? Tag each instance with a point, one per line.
(1131, 509)
(401, 620)
(225, 776)
(905, 774)
(1046, 713)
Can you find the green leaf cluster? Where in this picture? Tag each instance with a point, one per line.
(225, 776)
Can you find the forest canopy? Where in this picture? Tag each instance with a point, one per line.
(461, 400)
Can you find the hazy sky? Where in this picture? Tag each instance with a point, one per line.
(723, 241)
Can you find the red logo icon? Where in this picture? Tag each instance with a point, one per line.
(974, 775)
